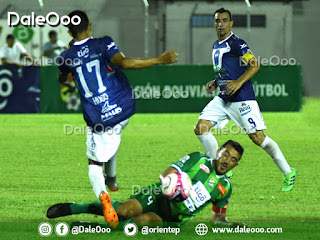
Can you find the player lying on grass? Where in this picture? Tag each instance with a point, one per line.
(210, 185)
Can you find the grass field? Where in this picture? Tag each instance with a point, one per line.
(41, 166)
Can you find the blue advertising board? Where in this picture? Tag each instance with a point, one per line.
(19, 89)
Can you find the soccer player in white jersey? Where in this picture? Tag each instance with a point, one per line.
(234, 65)
(11, 53)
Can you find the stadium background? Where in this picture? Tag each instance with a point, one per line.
(38, 160)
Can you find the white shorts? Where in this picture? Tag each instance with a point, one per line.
(102, 146)
(245, 114)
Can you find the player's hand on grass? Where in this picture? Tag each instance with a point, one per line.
(233, 86)
(169, 57)
(211, 86)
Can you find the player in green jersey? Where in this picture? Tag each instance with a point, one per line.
(148, 204)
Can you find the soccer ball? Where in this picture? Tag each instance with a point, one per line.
(176, 186)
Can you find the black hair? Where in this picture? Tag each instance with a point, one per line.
(10, 36)
(82, 26)
(223, 10)
(52, 33)
(235, 145)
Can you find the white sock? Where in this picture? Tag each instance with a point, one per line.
(272, 148)
(110, 166)
(209, 144)
(97, 179)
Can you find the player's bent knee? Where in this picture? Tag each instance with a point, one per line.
(202, 127)
(196, 130)
(257, 138)
(129, 209)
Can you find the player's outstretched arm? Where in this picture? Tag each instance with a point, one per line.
(135, 63)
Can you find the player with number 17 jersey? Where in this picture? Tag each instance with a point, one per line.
(106, 95)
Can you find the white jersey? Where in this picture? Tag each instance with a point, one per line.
(12, 55)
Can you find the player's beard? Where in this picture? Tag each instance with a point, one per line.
(223, 34)
(216, 167)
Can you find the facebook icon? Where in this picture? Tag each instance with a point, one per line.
(62, 229)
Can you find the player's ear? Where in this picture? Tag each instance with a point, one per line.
(70, 33)
(231, 23)
(89, 27)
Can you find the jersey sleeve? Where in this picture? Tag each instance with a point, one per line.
(220, 205)
(109, 47)
(187, 162)
(64, 70)
(22, 49)
(241, 49)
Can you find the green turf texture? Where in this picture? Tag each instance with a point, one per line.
(41, 166)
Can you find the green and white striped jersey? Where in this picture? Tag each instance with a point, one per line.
(208, 187)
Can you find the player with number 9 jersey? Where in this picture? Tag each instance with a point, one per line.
(234, 65)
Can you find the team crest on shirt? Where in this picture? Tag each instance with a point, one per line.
(211, 183)
(204, 168)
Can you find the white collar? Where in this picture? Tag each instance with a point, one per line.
(82, 41)
(226, 38)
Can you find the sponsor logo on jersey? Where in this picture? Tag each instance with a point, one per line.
(100, 99)
(83, 52)
(111, 114)
(242, 114)
(246, 108)
(106, 107)
(204, 168)
(221, 189)
(211, 183)
(199, 194)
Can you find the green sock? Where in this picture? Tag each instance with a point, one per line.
(93, 208)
